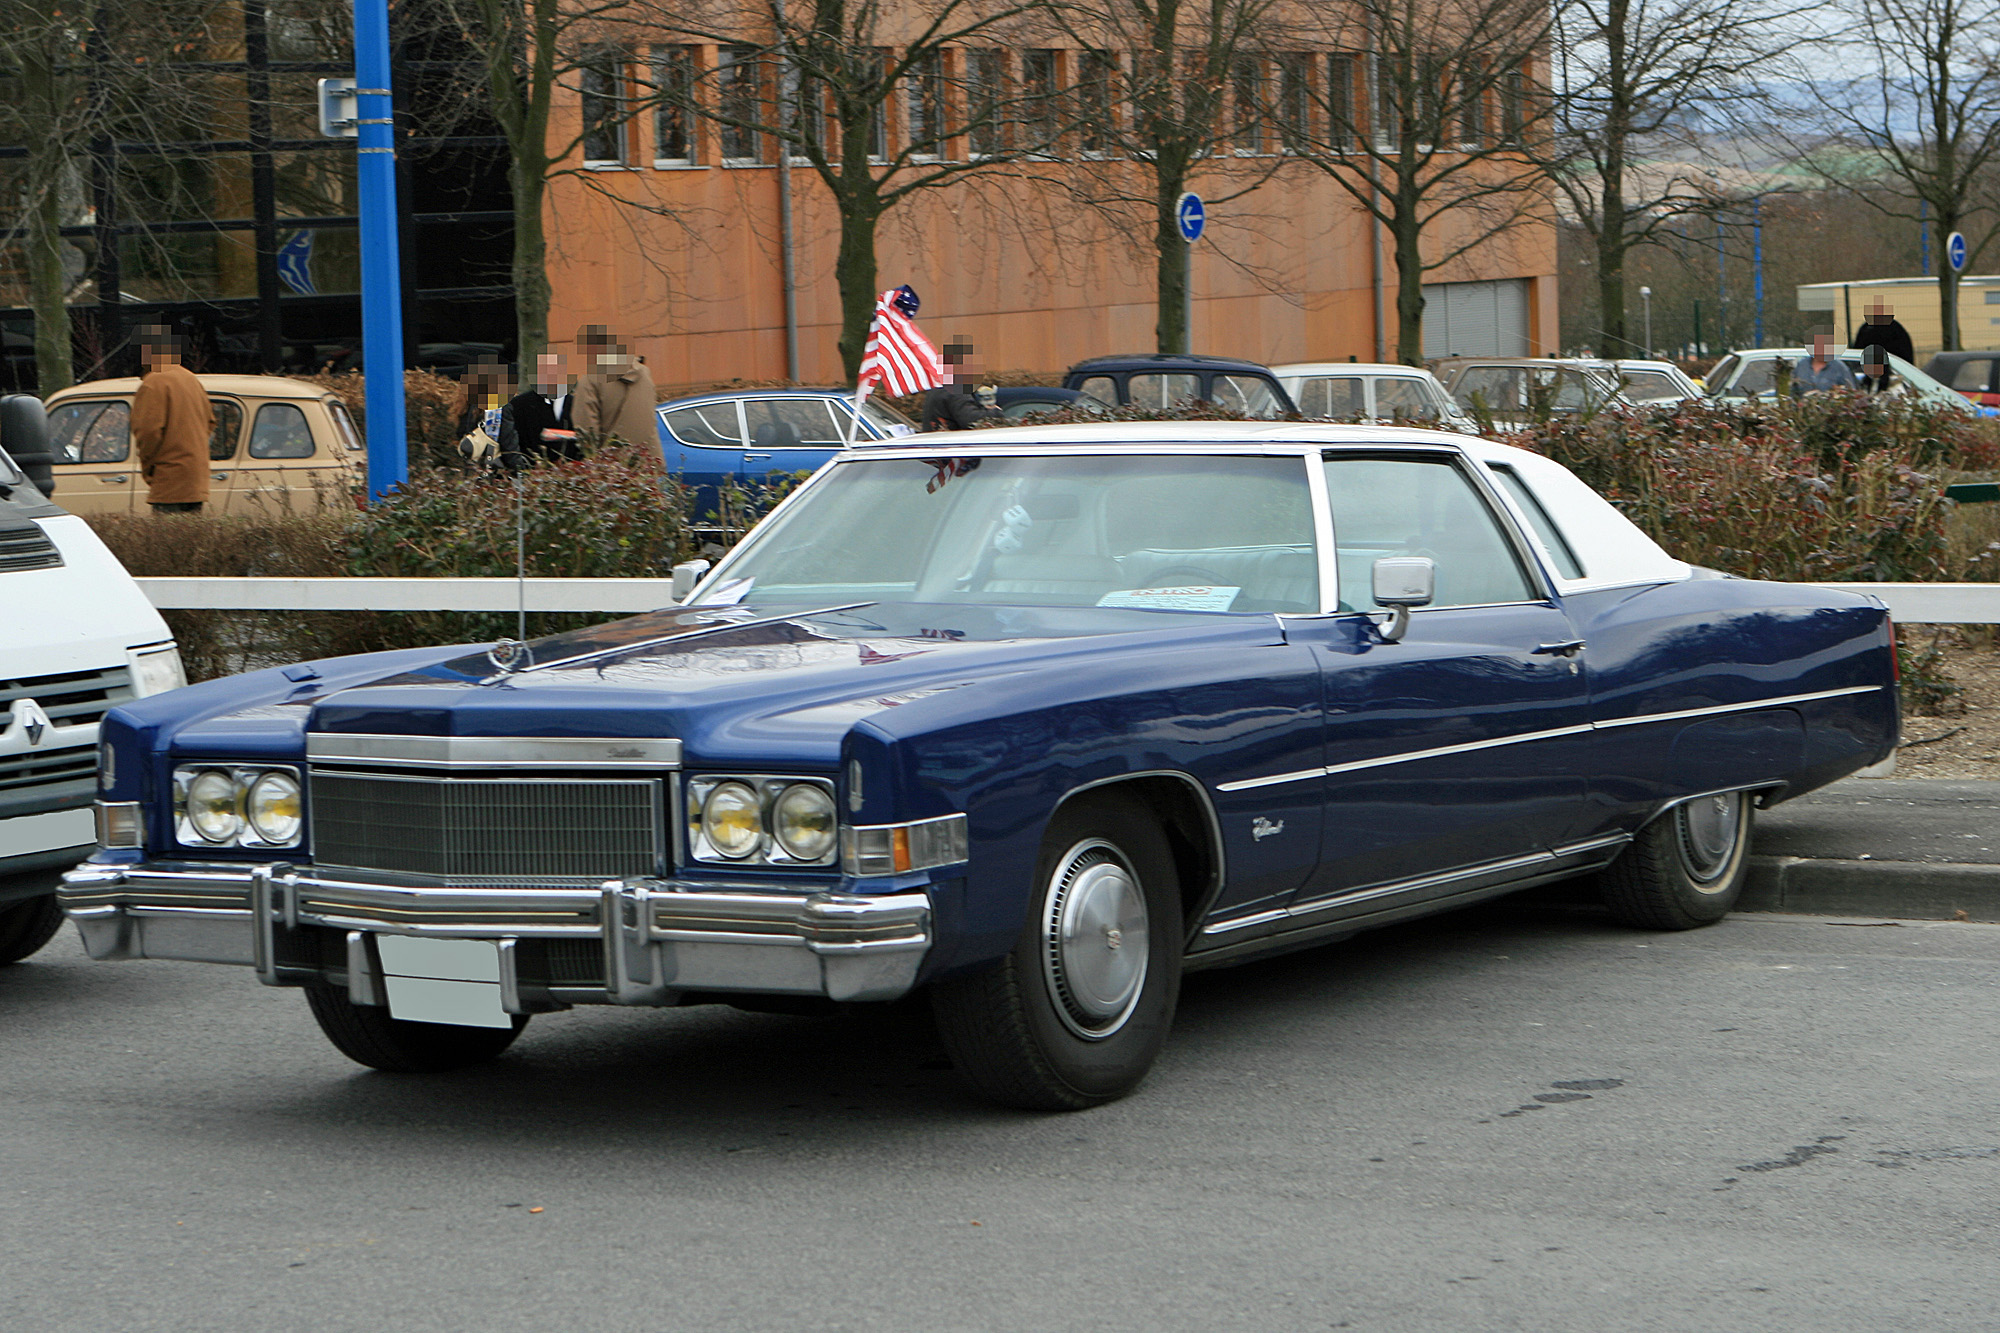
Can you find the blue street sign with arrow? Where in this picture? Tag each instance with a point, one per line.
(1191, 216)
(1954, 249)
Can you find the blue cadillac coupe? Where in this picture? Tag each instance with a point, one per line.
(1032, 721)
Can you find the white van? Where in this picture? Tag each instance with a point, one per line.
(77, 638)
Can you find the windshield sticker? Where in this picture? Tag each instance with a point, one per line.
(1194, 597)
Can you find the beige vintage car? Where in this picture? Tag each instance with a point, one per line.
(278, 443)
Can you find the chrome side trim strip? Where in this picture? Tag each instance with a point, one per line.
(1737, 708)
(495, 751)
(1411, 756)
(1416, 882)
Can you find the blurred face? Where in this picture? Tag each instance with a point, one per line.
(1880, 313)
(1822, 346)
(549, 370)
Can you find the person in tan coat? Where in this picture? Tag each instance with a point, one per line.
(171, 422)
(614, 395)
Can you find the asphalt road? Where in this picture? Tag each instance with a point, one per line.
(1517, 1118)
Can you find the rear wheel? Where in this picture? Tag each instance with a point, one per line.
(1075, 1015)
(26, 927)
(366, 1034)
(1686, 868)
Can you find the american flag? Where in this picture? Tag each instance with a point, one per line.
(898, 357)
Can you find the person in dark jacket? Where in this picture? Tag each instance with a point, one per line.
(1885, 331)
(952, 406)
(536, 425)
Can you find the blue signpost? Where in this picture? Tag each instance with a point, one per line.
(381, 280)
(1190, 217)
(1954, 250)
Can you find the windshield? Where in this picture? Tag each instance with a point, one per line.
(10, 472)
(887, 419)
(1148, 531)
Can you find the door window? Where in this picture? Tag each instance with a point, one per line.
(1339, 397)
(92, 432)
(227, 431)
(1162, 391)
(1246, 394)
(1404, 400)
(280, 432)
(1419, 506)
(1972, 375)
(1500, 389)
(1101, 387)
(790, 423)
(708, 426)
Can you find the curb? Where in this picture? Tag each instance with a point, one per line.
(1914, 890)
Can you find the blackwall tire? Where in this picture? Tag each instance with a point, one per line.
(1075, 1015)
(27, 926)
(1686, 868)
(366, 1034)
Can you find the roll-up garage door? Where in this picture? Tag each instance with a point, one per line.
(1476, 318)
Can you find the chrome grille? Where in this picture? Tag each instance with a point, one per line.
(487, 831)
(45, 768)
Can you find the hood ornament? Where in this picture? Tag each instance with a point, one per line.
(509, 656)
(33, 721)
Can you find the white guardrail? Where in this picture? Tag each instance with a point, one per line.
(1914, 603)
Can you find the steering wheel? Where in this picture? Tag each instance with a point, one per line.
(1182, 576)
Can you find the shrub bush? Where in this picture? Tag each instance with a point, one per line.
(431, 405)
(1842, 491)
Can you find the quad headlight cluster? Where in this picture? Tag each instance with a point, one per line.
(762, 820)
(219, 805)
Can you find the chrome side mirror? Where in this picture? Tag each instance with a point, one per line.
(686, 575)
(1401, 582)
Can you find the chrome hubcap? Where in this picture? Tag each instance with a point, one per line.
(1095, 944)
(1708, 829)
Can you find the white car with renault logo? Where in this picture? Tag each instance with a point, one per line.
(77, 638)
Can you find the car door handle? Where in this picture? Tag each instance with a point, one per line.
(218, 476)
(756, 458)
(116, 479)
(1567, 648)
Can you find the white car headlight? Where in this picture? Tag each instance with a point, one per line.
(803, 822)
(732, 820)
(214, 801)
(274, 808)
(155, 670)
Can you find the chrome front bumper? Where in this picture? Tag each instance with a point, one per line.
(656, 939)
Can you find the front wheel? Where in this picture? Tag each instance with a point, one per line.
(366, 1034)
(1686, 868)
(1075, 1015)
(26, 927)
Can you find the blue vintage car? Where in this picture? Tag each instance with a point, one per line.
(713, 439)
(1032, 720)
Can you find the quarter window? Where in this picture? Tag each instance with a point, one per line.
(789, 423)
(1419, 506)
(227, 431)
(1162, 391)
(708, 426)
(280, 432)
(1338, 397)
(1404, 400)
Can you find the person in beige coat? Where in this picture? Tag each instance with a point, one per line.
(614, 395)
(171, 422)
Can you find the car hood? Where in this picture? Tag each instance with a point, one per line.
(735, 682)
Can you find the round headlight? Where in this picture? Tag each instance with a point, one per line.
(212, 805)
(273, 808)
(732, 821)
(803, 822)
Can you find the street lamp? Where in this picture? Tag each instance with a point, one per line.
(1646, 302)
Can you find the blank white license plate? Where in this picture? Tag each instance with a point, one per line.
(443, 981)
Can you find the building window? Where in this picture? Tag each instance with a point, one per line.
(1513, 105)
(739, 104)
(1039, 91)
(1294, 99)
(985, 100)
(1096, 104)
(605, 128)
(923, 104)
(804, 99)
(1344, 81)
(673, 111)
(1472, 129)
(1246, 90)
(878, 111)
(1387, 121)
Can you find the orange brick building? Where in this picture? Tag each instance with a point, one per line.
(678, 247)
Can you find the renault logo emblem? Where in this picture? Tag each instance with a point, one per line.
(33, 720)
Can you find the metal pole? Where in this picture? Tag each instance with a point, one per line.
(1646, 303)
(785, 240)
(381, 280)
(1187, 297)
(1757, 264)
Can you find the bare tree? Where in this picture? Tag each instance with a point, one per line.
(1165, 93)
(1427, 116)
(40, 43)
(877, 101)
(1925, 114)
(1646, 78)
